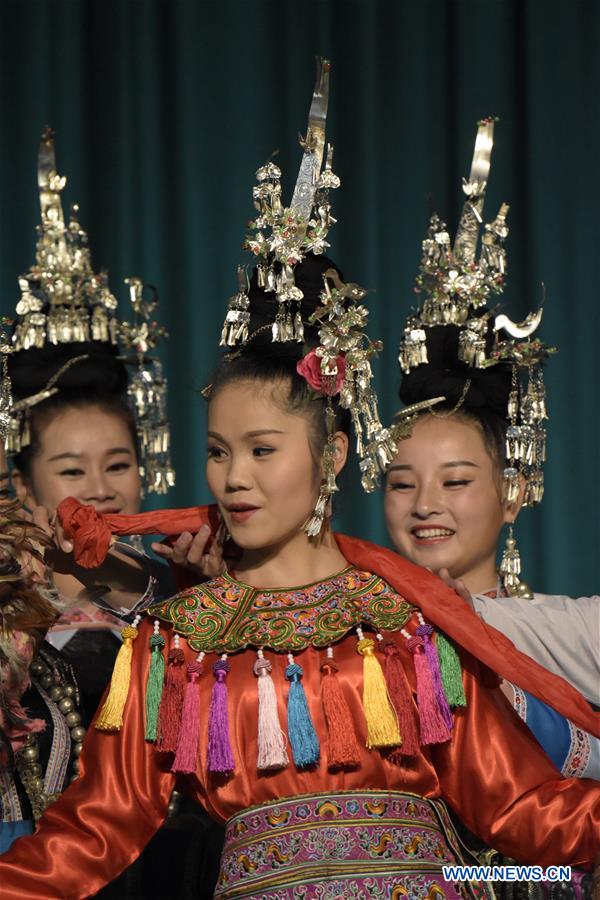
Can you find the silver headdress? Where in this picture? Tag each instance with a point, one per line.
(283, 235)
(456, 286)
(340, 366)
(63, 301)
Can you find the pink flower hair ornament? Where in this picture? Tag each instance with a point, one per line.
(326, 377)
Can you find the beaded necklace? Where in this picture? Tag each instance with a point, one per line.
(54, 682)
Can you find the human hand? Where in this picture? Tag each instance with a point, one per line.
(190, 551)
(457, 585)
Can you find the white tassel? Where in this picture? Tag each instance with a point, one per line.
(271, 739)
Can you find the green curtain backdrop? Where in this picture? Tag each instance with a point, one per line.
(163, 111)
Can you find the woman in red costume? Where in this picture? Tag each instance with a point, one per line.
(305, 699)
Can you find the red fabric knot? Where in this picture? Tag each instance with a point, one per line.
(87, 529)
(391, 648)
(176, 656)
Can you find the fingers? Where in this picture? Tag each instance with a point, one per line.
(162, 550)
(457, 585)
(41, 517)
(188, 549)
(196, 549)
(63, 542)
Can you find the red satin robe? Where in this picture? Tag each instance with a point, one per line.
(492, 771)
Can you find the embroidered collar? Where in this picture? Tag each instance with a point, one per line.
(225, 615)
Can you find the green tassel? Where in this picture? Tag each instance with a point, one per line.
(451, 671)
(154, 685)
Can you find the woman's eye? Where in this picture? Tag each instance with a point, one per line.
(72, 473)
(262, 451)
(215, 452)
(119, 467)
(457, 482)
(399, 486)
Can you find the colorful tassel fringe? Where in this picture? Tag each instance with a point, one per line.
(434, 729)
(171, 706)
(401, 697)
(189, 732)
(220, 755)
(342, 747)
(382, 723)
(271, 739)
(303, 737)
(111, 714)
(451, 671)
(154, 685)
(425, 631)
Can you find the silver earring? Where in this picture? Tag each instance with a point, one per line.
(510, 569)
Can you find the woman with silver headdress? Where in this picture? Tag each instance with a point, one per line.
(80, 426)
(475, 459)
(330, 778)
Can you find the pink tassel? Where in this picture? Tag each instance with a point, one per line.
(187, 743)
(271, 739)
(171, 706)
(220, 754)
(434, 729)
(401, 696)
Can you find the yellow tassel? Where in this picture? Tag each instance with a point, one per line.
(382, 722)
(111, 714)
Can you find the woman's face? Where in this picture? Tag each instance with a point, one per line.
(260, 468)
(443, 507)
(86, 453)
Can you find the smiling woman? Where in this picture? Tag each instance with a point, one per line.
(473, 461)
(443, 500)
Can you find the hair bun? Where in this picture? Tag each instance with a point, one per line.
(444, 375)
(100, 371)
(308, 277)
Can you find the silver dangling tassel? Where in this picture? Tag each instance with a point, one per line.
(511, 484)
(314, 525)
(235, 326)
(510, 569)
(298, 326)
(413, 348)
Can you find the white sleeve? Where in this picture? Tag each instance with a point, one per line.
(560, 633)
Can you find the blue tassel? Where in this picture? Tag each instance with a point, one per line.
(303, 737)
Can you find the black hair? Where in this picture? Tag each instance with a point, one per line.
(99, 379)
(479, 396)
(273, 363)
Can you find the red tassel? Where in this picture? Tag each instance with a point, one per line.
(434, 729)
(342, 747)
(401, 696)
(187, 742)
(171, 706)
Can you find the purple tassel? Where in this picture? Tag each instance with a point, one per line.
(220, 755)
(425, 631)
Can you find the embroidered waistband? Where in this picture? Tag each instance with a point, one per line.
(344, 844)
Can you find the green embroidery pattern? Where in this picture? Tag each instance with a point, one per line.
(224, 615)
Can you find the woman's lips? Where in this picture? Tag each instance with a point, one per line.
(428, 536)
(242, 515)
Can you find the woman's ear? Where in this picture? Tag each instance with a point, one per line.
(513, 508)
(22, 489)
(340, 450)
